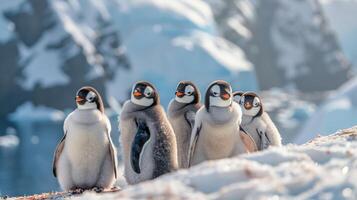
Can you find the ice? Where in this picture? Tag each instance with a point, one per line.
(337, 112)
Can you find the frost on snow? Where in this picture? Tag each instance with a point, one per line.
(325, 168)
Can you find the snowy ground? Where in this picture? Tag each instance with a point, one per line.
(324, 168)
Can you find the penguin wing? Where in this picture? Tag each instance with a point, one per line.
(264, 139)
(190, 118)
(57, 154)
(248, 141)
(137, 147)
(112, 150)
(194, 138)
(272, 133)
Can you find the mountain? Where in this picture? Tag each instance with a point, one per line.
(290, 43)
(341, 15)
(52, 48)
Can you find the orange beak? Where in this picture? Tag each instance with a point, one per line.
(79, 99)
(248, 105)
(180, 94)
(137, 94)
(225, 96)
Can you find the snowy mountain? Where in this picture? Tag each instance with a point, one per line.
(290, 43)
(342, 15)
(337, 112)
(325, 168)
(51, 48)
(48, 53)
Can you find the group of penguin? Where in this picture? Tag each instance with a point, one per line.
(154, 142)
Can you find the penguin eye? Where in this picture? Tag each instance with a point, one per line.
(91, 96)
(148, 92)
(256, 102)
(189, 90)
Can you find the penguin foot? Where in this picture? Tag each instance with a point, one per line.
(98, 189)
(77, 191)
(115, 188)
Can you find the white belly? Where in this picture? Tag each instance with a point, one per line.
(86, 147)
(218, 141)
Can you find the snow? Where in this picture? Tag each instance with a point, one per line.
(325, 168)
(337, 112)
(8, 141)
(179, 39)
(44, 65)
(28, 111)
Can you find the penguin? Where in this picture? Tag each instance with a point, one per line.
(257, 122)
(86, 158)
(216, 133)
(181, 114)
(147, 139)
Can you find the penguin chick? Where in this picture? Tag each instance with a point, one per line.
(181, 114)
(216, 133)
(147, 138)
(257, 123)
(86, 158)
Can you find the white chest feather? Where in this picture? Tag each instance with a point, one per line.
(219, 141)
(86, 142)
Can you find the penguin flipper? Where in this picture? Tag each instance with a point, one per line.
(57, 154)
(113, 154)
(264, 140)
(141, 137)
(248, 141)
(194, 139)
(190, 118)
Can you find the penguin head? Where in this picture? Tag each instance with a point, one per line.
(218, 94)
(237, 96)
(251, 104)
(89, 98)
(187, 93)
(144, 94)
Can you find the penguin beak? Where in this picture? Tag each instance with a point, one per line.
(180, 94)
(248, 105)
(137, 94)
(225, 96)
(79, 99)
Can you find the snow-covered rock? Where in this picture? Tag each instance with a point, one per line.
(290, 43)
(171, 41)
(341, 15)
(325, 168)
(51, 48)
